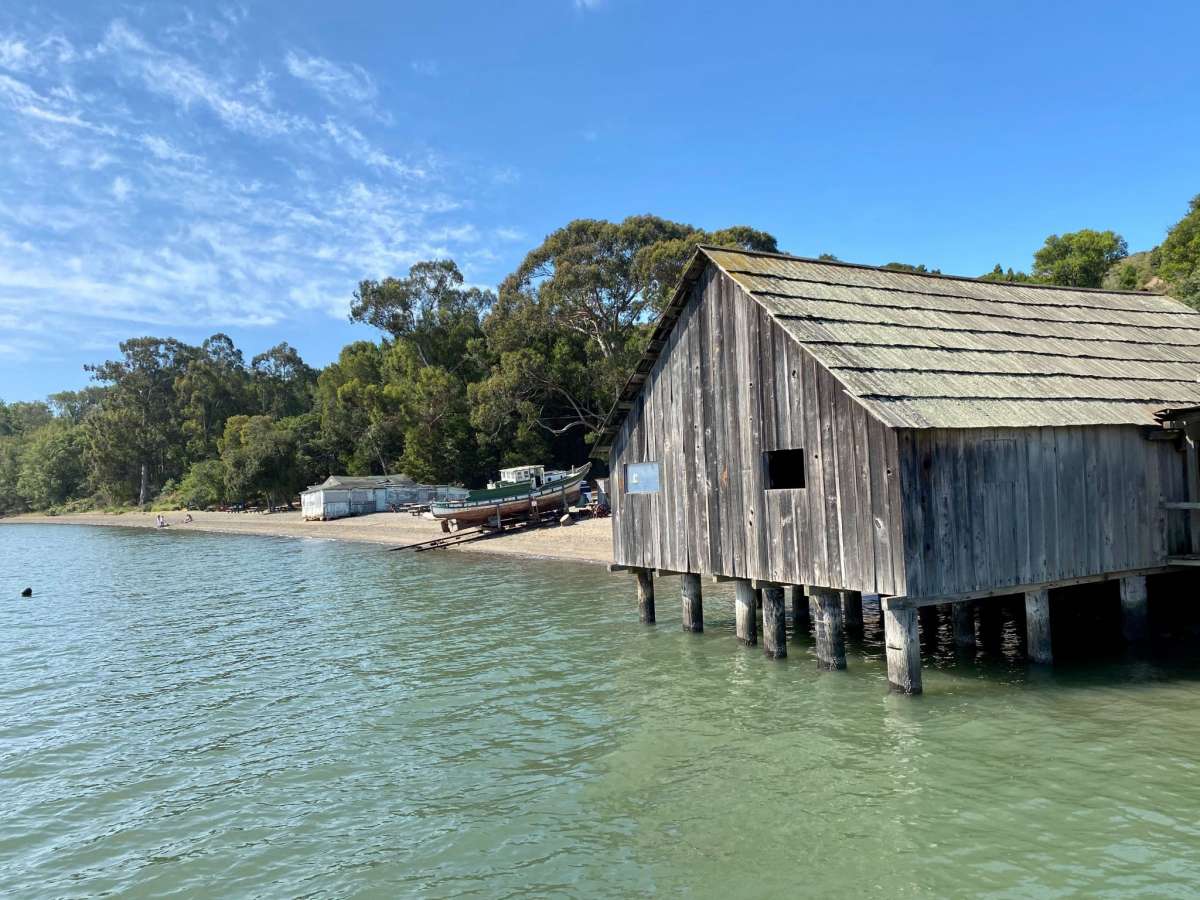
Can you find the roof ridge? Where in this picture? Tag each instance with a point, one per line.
(977, 280)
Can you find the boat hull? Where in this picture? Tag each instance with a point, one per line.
(479, 512)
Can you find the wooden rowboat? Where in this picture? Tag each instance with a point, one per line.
(505, 500)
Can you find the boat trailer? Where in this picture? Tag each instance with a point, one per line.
(482, 532)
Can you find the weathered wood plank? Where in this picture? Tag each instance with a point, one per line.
(914, 520)
(1023, 526)
(801, 501)
(818, 550)
(733, 510)
(1050, 502)
(895, 520)
(719, 336)
(757, 380)
(943, 555)
(864, 524)
(847, 494)
(833, 544)
(692, 499)
(707, 462)
(880, 527)
(1072, 504)
(1095, 503)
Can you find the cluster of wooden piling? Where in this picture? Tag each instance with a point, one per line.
(832, 614)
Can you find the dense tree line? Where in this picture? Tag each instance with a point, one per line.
(462, 380)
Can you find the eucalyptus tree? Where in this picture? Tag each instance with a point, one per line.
(572, 319)
(281, 382)
(135, 435)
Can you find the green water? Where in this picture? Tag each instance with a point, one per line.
(233, 716)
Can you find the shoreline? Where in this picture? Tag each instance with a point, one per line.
(588, 540)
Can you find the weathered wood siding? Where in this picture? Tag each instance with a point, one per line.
(730, 384)
(986, 508)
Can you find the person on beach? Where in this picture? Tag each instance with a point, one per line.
(187, 519)
(159, 521)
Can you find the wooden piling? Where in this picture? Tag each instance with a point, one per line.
(828, 627)
(774, 623)
(1134, 608)
(962, 614)
(852, 612)
(693, 604)
(746, 612)
(800, 616)
(645, 583)
(1037, 626)
(903, 647)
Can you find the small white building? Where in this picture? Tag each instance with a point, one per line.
(339, 496)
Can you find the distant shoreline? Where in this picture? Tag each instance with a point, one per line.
(588, 540)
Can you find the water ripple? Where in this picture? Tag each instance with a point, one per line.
(203, 714)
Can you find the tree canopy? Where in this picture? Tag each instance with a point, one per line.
(573, 317)
(1079, 258)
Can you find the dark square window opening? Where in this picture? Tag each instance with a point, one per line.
(785, 469)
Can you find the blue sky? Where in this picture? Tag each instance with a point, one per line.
(184, 169)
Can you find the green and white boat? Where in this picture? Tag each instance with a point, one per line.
(518, 491)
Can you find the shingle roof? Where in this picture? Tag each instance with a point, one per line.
(930, 351)
(360, 482)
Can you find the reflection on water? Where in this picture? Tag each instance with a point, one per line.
(251, 716)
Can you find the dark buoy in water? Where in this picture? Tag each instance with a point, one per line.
(28, 592)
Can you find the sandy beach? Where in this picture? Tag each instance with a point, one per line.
(588, 540)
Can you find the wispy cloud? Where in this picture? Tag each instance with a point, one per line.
(175, 184)
(121, 188)
(25, 100)
(14, 55)
(428, 68)
(21, 55)
(359, 148)
(336, 83)
(164, 149)
(174, 77)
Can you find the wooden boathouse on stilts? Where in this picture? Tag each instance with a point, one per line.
(816, 431)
